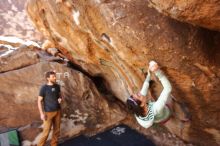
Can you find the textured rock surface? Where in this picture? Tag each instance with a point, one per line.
(23, 56)
(116, 39)
(16, 53)
(84, 108)
(14, 20)
(205, 13)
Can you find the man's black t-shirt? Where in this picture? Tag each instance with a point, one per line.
(50, 94)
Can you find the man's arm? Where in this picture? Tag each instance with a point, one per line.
(60, 98)
(40, 108)
(60, 95)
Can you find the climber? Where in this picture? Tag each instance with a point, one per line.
(148, 112)
(50, 96)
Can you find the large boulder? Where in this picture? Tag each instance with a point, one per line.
(198, 12)
(21, 57)
(116, 39)
(17, 53)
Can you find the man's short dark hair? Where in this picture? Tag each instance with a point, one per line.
(47, 75)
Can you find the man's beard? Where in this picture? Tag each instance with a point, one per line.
(53, 81)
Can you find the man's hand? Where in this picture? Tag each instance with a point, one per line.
(43, 117)
(59, 100)
(153, 66)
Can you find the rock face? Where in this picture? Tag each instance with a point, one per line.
(199, 12)
(84, 108)
(22, 57)
(87, 109)
(115, 40)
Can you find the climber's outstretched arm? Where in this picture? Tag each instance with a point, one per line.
(145, 86)
(165, 94)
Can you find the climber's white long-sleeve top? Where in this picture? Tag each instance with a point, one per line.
(157, 111)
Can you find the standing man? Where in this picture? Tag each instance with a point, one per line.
(49, 100)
